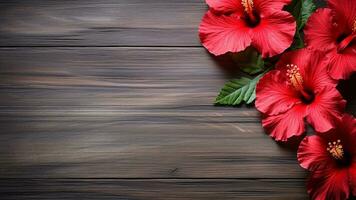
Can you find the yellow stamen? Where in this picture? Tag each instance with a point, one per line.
(354, 27)
(336, 150)
(295, 77)
(248, 5)
(296, 80)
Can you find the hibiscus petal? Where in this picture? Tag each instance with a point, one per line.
(352, 173)
(329, 184)
(263, 5)
(347, 128)
(284, 126)
(344, 10)
(315, 75)
(274, 33)
(312, 154)
(326, 109)
(222, 34)
(273, 95)
(328, 179)
(319, 31)
(343, 65)
(301, 58)
(312, 66)
(225, 6)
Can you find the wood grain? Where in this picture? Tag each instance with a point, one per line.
(158, 189)
(127, 112)
(100, 22)
(108, 76)
(109, 148)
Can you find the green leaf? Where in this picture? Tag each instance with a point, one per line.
(298, 42)
(308, 7)
(238, 91)
(294, 8)
(249, 61)
(301, 11)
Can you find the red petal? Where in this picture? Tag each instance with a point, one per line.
(284, 126)
(345, 11)
(301, 58)
(319, 31)
(312, 66)
(327, 174)
(347, 129)
(312, 153)
(315, 74)
(222, 34)
(225, 6)
(352, 173)
(273, 95)
(329, 184)
(326, 108)
(274, 33)
(263, 5)
(343, 64)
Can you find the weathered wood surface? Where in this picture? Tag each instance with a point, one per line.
(157, 189)
(100, 22)
(127, 112)
(113, 100)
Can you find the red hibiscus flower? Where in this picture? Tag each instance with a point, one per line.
(233, 25)
(299, 88)
(333, 30)
(331, 158)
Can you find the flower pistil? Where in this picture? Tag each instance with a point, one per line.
(295, 77)
(249, 10)
(296, 80)
(336, 150)
(348, 39)
(248, 5)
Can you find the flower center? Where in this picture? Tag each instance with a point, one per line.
(295, 77)
(345, 40)
(296, 80)
(336, 150)
(251, 16)
(248, 5)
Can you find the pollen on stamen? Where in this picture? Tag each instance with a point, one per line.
(336, 149)
(354, 26)
(248, 5)
(295, 78)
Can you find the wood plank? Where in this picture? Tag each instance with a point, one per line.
(100, 22)
(163, 77)
(127, 112)
(171, 189)
(99, 146)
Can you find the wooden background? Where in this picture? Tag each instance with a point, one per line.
(112, 99)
